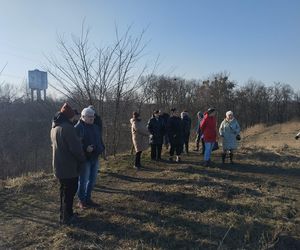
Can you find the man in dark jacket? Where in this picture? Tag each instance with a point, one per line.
(91, 140)
(186, 123)
(165, 117)
(67, 159)
(156, 129)
(175, 133)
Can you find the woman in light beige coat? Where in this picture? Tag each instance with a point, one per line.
(140, 135)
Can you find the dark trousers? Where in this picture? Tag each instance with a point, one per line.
(68, 189)
(156, 151)
(176, 148)
(137, 161)
(186, 145)
(198, 139)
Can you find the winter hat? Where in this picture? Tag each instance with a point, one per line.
(87, 112)
(229, 113)
(211, 110)
(67, 111)
(173, 109)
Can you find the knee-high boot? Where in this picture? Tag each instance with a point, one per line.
(223, 157)
(231, 157)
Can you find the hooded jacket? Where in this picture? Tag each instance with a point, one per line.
(67, 153)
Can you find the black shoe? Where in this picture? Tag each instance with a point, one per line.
(69, 221)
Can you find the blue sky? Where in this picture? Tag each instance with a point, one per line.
(258, 39)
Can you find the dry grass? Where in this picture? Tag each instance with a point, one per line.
(253, 204)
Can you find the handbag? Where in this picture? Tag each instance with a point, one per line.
(238, 137)
(215, 146)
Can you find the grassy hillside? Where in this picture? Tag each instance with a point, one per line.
(253, 204)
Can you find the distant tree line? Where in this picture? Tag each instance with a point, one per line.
(24, 134)
(252, 103)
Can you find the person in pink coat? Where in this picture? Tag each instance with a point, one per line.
(208, 127)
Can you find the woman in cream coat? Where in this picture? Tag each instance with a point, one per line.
(228, 130)
(140, 136)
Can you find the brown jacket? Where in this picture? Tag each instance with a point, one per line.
(139, 135)
(67, 151)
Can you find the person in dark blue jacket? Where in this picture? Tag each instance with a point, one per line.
(156, 129)
(175, 133)
(92, 146)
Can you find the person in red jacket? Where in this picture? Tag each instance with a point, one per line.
(208, 127)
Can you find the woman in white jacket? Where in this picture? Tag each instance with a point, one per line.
(228, 130)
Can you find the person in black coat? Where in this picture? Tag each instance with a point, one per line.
(175, 133)
(165, 117)
(187, 123)
(156, 129)
(99, 123)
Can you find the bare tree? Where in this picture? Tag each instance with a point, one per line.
(103, 77)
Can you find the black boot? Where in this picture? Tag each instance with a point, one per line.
(223, 157)
(231, 157)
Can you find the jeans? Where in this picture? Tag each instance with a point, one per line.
(68, 188)
(208, 150)
(87, 179)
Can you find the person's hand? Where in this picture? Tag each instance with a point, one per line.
(297, 137)
(90, 148)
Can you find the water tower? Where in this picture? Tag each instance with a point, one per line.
(38, 81)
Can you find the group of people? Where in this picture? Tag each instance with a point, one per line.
(76, 146)
(77, 143)
(175, 130)
(162, 128)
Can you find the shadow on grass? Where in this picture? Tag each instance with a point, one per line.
(169, 231)
(267, 156)
(197, 183)
(261, 169)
